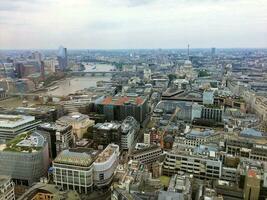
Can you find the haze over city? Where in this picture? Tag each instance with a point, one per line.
(116, 24)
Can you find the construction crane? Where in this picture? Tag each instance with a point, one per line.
(166, 128)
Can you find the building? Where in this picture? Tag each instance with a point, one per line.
(213, 51)
(202, 162)
(120, 107)
(60, 137)
(208, 97)
(198, 137)
(129, 131)
(196, 111)
(105, 165)
(25, 158)
(73, 170)
(3, 94)
(12, 125)
(6, 188)
(212, 112)
(44, 191)
(42, 113)
(252, 185)
(106, 133)
(251, 147)
(62, 58)
(79, 122)
(147, 155)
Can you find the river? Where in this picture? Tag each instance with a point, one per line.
(73, 84)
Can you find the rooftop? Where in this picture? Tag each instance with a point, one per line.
(77, 158)
(123, 100)
(54, 126)
(25, 142)
(107, 153)
(12, 121)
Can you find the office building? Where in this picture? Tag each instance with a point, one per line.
(25, 158)
(79, 122)
(60, 137)
(208, 97)
(106, 133)
(6, 188)
(147, 155)
(12, 125)
(62, 58)
(105, 165)
(201, 161)
(120, 107)
(212, 113)
(252, 185)
(213, 51)
(73, 170)
(198, 137)
(129, 131)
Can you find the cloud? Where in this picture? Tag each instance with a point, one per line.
(132, 23)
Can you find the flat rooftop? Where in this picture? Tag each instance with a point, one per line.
(123, 100)
(106, 154)
(73, 117)
(54, 126)
(107, 126)
(12, 121)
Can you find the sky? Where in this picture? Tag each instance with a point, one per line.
(120, 24)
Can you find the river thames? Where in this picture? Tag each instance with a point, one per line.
(73, 84)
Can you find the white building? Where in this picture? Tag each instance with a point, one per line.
(73, 170)
(208, 97)
(105, 165)
(129, 131)
(12, 125)
(6, 188)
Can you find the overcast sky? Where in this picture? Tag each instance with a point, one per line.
(114, 24)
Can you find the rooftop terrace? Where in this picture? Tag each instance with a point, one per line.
(25, 142)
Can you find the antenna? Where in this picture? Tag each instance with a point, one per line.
(188, 46)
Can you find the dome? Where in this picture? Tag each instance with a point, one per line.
(187, 62)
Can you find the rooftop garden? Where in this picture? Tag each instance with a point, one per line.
(12, 144)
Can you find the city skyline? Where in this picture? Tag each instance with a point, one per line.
(138, 24)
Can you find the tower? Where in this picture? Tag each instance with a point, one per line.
(188, 46)
(42, 70)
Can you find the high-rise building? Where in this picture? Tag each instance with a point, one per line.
(252, 185)
(62, 57)
(25, 158)
(213, 50)
(42, 70)
(37, 56)
(129, 131)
